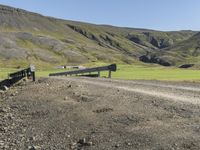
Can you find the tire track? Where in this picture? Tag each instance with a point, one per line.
(169, 92)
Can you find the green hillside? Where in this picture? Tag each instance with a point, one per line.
(187, 51)
(27, 38)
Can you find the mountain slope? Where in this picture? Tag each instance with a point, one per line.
(187, 51)
(27, 37)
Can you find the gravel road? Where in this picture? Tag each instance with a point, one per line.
(177, 92)
(100, 114)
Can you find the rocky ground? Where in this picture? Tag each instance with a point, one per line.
(97, 114)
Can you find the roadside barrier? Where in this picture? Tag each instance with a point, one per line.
(16, 76)
(29, 73)
(87, 72)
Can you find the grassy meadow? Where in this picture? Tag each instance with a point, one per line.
(131, 72)
(156, 73)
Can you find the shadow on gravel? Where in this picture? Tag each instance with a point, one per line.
(8, 83)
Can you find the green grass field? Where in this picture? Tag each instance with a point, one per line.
(156, 73)
(4, 72)
(133, 72)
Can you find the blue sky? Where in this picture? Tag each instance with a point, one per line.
(153, 14)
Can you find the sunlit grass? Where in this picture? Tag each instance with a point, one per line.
(4, 72)
(132, 72)
(156, 73)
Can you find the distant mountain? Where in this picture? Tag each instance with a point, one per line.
(187, 51)
(27, 37)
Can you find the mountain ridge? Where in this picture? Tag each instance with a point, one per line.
(27, 37)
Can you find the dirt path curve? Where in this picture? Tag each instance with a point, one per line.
(170, 91)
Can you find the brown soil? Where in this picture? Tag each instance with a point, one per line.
(100, 114)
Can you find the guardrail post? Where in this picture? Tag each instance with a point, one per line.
(109, 74)
(33, 76)
(32, 69)
(99, 74)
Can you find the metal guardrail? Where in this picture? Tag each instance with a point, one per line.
(16, 76)
(110, 68)
(29, 72)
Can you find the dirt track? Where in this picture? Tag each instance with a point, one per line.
(82, 113)
(185, 93)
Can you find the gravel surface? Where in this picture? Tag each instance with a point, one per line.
(100, 114)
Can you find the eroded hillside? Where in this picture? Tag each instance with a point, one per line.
(27, 37)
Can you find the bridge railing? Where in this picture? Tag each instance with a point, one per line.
(110, 68)
(16, 76)
(28, 72)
